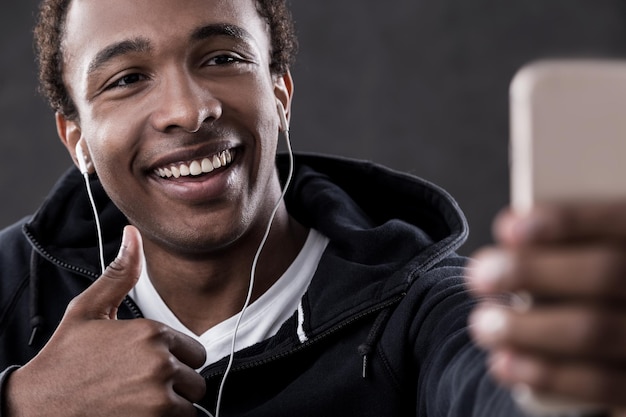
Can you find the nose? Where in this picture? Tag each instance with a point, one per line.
(183, 103)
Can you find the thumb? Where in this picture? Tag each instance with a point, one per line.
(103, 297)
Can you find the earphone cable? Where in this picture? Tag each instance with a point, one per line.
(252, 275)
(97, 219)
(252, 272)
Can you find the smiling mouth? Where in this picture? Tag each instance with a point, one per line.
(197, 167)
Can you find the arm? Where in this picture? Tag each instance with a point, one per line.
(453, 371)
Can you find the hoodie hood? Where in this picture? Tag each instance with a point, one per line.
(386, 228)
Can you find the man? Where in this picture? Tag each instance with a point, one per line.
(358, 302)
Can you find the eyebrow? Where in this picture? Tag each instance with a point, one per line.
(221, 29)
(117, 49)
(143, 45)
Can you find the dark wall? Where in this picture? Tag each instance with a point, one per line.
(419, 85)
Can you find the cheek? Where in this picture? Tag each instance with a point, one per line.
(111, 148)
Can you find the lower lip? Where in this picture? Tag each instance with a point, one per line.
(198, 189)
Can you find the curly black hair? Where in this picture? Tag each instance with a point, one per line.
(50, 27)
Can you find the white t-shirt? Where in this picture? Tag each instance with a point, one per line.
(261, 320)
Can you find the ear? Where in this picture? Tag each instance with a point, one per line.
(283, 90)
(71, 136)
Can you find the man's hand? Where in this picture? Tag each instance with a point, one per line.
(567, 337)
(99, 366)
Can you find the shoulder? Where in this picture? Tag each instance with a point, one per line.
(13, 241)
(15, 254)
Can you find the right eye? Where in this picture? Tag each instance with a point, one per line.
(126, 81)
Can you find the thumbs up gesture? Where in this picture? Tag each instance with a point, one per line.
(99, 366)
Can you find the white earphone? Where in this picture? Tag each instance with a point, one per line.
(83, 166)
(82, 159)
(284, 124)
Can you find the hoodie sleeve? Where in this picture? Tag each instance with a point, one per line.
(453, 372)
(448, 369)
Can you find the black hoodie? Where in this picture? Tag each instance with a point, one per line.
(384, 319)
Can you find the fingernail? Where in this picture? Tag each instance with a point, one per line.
(486, 272)
(125, 243)
(488, 324)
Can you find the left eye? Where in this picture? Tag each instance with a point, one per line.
(223, 60)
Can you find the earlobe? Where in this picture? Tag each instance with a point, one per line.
(71, 136)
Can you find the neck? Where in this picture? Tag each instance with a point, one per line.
(203, 291)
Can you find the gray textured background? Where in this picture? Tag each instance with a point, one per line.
(418, 85)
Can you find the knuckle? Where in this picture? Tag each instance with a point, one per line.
(165, 367)
(169, 366)
(74, 304)
(154, 331)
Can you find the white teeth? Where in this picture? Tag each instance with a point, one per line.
(207, 166)
(184, 170)
(216, 162)
(197, 167)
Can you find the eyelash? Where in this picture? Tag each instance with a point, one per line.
(231, 58)
(227, 59)
(117, 82)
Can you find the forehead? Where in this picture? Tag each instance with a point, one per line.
(92, 25)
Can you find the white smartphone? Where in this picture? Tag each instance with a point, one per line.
(568, 131)
(567, 143)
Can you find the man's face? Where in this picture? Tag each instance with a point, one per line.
(167, 86)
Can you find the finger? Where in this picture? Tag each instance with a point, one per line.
(583, 272)
(102, 299)
(551, 223)
(582, 381)
(189, 384)
(186, 349)
(570, 332)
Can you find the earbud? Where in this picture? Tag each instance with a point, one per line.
(82, 158)
(284, 124)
